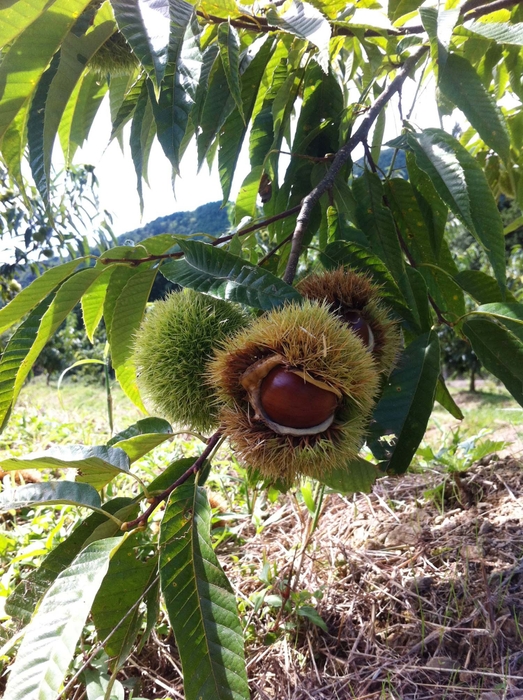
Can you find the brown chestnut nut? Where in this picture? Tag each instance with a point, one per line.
(358, 324)
(289, 400)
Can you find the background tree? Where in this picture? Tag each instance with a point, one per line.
(38, 233)
(316, 80)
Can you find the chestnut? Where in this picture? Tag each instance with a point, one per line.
(293, 402)
(288, 400)
(360, 326)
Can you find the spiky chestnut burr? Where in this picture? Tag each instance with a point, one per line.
(114, 57)
(297, 387)
(355, 300)
(171, 350)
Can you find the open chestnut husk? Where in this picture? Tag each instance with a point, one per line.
(297, 387)
(355, 300)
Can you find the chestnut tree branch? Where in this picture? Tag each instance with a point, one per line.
(341, 158)
(470, 10)
(164, 495)
(217, 241)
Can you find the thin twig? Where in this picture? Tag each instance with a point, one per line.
(164, 495)
(341, 158)
(217, 241)
(274, 250)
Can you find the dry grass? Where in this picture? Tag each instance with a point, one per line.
(418, 602)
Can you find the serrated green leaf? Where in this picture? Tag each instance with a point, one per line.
(444, 291)
(411, 223)
(142, 118)
(481, 287)
(305, 21)
(93, 302)
(234, 129)
(376, 221)
(14, 354)
(200, 602)
(399, 8)
(120, 277)
(406, 404)
(79, 113)
(221, 8)
(29, 55)
(421, 297)
(16, 17)
(176, 99)
(229, 46)
(126, 377)
(174, 471)
(460, 83)
(36, 126)
(439, 24)
(124, 584)
(214, 271)
(127, 107)
(65, 300)
(50, 493)
(501, 32)
(432, 208)
(377, 136)
(23, 600)
(248, 195)
(142, 437)
(95, 465)
(50, 639)
(216, 108)
(261, 137)
(358, 476)
(32, 295)
(146, 29)
(444, 398)
(75, 52)
(128, 313)
(499, 351)
(506, 313)
(13, 145)
(462, 185)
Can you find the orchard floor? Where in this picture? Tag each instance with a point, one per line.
(421, 581)
(419, 584)
(422, 594)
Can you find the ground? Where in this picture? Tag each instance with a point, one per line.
(422, 597)
(412, 592)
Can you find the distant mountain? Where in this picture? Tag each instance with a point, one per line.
(209, 218)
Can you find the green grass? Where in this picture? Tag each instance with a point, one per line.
(490, 412)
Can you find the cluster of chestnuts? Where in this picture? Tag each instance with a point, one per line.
(292, 389)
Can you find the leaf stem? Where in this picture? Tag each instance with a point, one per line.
(193, 469)
(341, 158)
